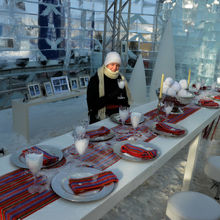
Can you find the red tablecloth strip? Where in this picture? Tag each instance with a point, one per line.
(142, 128)
(15, 200)
(174, 118)
(101, 158)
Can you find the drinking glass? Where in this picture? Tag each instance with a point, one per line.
(198, 85)
(121, 85)
(79, 131)
(34, 162)
(124, 114)
(135, 120)
(81, 144)
(168, 106)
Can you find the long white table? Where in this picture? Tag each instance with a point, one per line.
(130, 174)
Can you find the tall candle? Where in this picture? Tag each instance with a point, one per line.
(161, 86)
(189, 75)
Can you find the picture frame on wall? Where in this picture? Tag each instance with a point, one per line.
(74, 84)
(48, 88)
(83, 81)
(34, 90)
(60, 84)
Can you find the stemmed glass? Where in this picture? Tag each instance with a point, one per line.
(198, 85)
(81, 144)
(124, 114)
(34, 162)
(121, 85)
(135, 120)
(168, 106)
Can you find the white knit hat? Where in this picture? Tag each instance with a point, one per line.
(112, 57)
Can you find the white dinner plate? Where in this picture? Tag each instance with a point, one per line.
(100, 138)
(116, 118)
(141, 144)
(60, 185)
(153, 128)
(18, 160)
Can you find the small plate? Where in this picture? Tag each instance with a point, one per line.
(144, 145)
(60, 185)
(19, 160)
(153, 128)
(100, 138)
(116, 118)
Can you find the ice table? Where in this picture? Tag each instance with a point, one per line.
(20, 110)
(130, 174)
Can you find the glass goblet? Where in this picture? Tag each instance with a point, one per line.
(81, 144)
(121, 85)
(135, 120)
(124, 114)
(79, 131)
(34, 162)
(168, 106)
(198, 85)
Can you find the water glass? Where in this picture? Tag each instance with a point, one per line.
(34, 162)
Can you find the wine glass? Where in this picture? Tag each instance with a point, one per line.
(124, 114)
(198, 85)
(121, 85)
(81, 144)
(79, 131)
(34, 162)
(135, 120)
(168, 106)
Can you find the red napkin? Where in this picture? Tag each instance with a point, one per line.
(94, 182)
(98, 132)
(48, 159)
(208, 103)
(161, 126)
(138, 151)
(217, 97)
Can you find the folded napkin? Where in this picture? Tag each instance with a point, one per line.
(48, 159)
(98, 132)
(138, 151)
(217, 97)
(94, 182)
(161, 126)
(208, 103)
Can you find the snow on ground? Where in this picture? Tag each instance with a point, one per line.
(149, 200)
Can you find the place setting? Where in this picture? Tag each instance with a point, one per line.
(136, 151)
(207, 103)
(51, 156)
(84, 184)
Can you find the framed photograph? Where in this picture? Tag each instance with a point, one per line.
(83, 81)
(34, 90)
(60, 84)
(48, 88)
(74, 83)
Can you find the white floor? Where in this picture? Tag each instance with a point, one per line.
(149, 200)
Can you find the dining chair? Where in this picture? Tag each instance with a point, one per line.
(189, 205)
(212, 170)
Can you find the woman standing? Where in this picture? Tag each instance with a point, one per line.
(103, 93)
